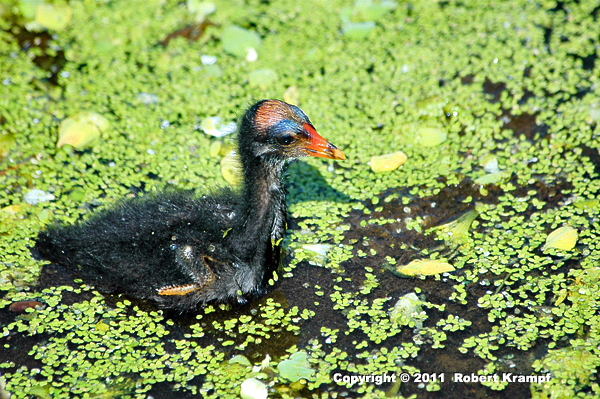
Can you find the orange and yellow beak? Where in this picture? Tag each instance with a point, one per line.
(319, 147)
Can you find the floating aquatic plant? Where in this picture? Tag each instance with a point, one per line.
(296, 367)
(358, 21)
(490, 164)
(317, 253)
(405, 310)
(240, 359)
(563, 238)
(147, 98)
(373, 10)
(457, 230)
(239, 41)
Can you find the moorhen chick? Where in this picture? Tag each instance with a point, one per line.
(182, 251)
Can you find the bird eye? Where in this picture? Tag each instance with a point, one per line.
(285, 139)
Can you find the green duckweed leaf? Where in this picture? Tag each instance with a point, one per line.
(213, 71)
(27, 8)
(77, 194)
(215, 149)
(102, 327)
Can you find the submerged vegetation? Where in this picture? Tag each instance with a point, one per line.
(471, 132)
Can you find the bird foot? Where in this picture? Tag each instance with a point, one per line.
(178, 289)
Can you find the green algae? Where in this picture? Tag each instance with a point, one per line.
(513, 80)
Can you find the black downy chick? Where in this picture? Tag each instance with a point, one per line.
(182, 251)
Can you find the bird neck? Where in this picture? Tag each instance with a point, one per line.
(263, 214)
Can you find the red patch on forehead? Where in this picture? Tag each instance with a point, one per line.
(311, 130)
(270, 112)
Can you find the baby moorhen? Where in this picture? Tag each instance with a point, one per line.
(181, 250)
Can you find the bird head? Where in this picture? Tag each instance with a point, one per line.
(276, 129)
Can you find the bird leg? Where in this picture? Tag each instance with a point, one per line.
(198, 270)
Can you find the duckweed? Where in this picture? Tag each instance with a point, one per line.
(502, 111)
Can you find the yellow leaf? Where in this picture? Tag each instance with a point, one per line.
(53, 16)
(432, 136)
(563, 238)
(81, 129)
(493, 178)
(7, 142)
(388, 162)
(587, 204)
(214, 149)
(458, 230)
(230, 168)
(102, 327)
(292, 95)
(424, 267)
